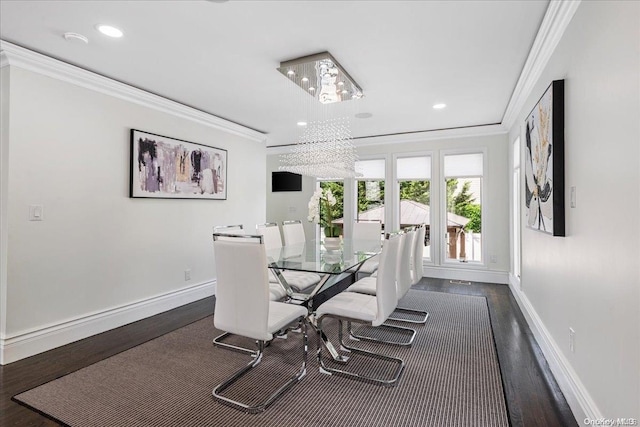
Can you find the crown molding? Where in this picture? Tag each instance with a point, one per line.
(462, 132)
(26, 59)
(4, 61)
(404, 138)
(555, 22)
(557, 17)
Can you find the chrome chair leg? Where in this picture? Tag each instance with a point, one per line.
(341, 338)
(342, 372)
(393, 328)
(217, 341)
(252, 409)
(422, 320)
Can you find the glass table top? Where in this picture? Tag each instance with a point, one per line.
(314, 256)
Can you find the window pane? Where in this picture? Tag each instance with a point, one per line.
(415, 200)
(371, 201)
(460, 165)
(516, 223)
(464, 219)
(336, 212)
(414, 167)
(515, 205)
(370, 169)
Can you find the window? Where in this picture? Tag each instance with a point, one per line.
(414, 195)
(370, 190)
(463, 230)
(337, 210)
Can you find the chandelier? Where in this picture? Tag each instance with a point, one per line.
(325, 148)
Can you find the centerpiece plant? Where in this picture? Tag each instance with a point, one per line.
(321, 211)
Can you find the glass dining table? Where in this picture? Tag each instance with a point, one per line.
(333, 265)
(336, 267)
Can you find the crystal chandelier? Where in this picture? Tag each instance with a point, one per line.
(325, 148)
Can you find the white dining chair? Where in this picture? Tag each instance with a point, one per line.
(416, 259)
(297, 280)
(236, 229)
(277, 292)
(293, 232)
(404, 282)
(365, 232)
(366, 309)
(243, 307)
(367, 285)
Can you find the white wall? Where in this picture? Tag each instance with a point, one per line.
(589, 280)
(496, 183)
(97, 250)
(289, 205)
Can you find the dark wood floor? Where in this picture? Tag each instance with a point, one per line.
(532, 394)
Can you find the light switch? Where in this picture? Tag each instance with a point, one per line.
(36, 213)
(573, 197)
(293, 209)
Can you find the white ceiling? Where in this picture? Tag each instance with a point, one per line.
(221, 58)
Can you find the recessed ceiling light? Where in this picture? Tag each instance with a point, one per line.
(312, 88)
(363, 115)
(110, 31)
(304, 79)
(439, 106)
(291, 72)
(301, 123)
(70, 37)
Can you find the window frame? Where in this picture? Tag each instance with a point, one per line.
(516, 210)
(354, 187)
(442, 177)
(434, 220)
(318, 233)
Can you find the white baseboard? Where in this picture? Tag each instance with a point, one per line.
(48, 337)
(578, 398)
(485, 276)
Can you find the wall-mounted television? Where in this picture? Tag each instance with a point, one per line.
(285, 181)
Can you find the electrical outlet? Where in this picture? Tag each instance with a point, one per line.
(574, 203)
(187, 275)
(572, 340)
(493, 259)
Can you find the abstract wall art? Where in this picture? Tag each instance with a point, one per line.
(169, 168)
(544, 162)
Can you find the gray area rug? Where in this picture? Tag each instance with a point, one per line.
(451, 378)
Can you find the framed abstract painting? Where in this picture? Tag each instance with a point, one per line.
(169, 168)
(544, 162)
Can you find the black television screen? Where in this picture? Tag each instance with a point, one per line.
(285, 181)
